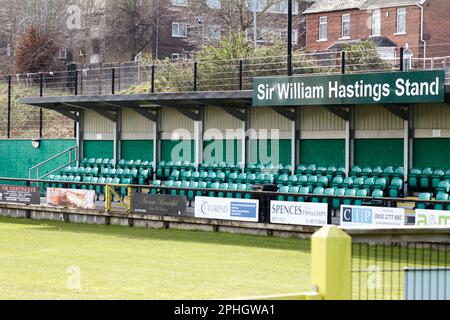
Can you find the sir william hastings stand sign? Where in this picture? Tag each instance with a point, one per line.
(373, 88)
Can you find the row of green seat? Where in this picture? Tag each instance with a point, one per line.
(440, 196)
(110, 163)
(136, 175)
(190, 191)
(73, 182)
(305, 192)
(427, 179)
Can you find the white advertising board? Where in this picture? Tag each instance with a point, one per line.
(227, 209)
(299, 213)
(432, 218)
(372, 217)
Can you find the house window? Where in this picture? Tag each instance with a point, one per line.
(259, 4)
(401, 20)
(179, 2)
(214, 4)
(179, 30)
(376, 22)
(214, 32)
(176, 56)
(63, 53)
(345, 26)
(282, 7)
(323, 28)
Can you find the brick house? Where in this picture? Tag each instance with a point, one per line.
(190, 25)
(417, 26)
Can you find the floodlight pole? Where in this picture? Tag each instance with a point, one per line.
(289, 38)
(255, 35)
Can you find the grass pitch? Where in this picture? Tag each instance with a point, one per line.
(41, 260)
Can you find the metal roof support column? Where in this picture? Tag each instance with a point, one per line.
(198, 137)
(118, 137)
(246, 143)
(350, 140)
(409, 147)
(157, 140)
(80, 137)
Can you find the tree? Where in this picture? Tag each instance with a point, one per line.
(36, 52)
(363, 56)
(131, 25)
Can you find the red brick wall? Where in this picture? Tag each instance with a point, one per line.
(437, 27)
(360, 28)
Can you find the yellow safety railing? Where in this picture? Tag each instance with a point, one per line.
(111, 192)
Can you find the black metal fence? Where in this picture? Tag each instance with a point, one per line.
(401, 271)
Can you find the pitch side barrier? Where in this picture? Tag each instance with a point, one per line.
(264, 197)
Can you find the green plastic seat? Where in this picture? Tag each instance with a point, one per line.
(444, 186)
(331, 172)
(94, 172)
(381, 183)
(214, 186)
(233, 177)
(220, 177)
(100, 189)
(76, 181)
(293, 190)
(347, 183)
(156, 183)
(349, 193)
(176, 184)
(191, 194)
(124, 190)
(395, 187)
(377, 172)
(104, 172)
(98, 162)
(62, 181)
(186, 175)
(341, 171)
(122, 163)
(318, 191)
(413, 179)
(358, 183)
(283, 179)
(399, 173)
(144, 175)
(369, 183)
(223, 187)
(185, 185)
(425, 177)
(168, 184)
(441, 196)
(320, 170)
(283, 189)
(111, 173)
(301, 169)
(327, 192)
(425, 196)
(241, 187)
(269, 178)
(312, 181)
(175, 175)
(377, 193)
(311, 169)
(363, 193)
(201, 185)
(388, 172)
(86, 180)
(232, 187)
(367, 172)
(336, 203)
(303, 192)
(436, 177)
(292, 181)
(337, 182)
(355, 172)
(302, 180)
(91, 162)
(323, 182)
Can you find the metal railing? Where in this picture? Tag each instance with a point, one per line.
(73, 158)
(401, 271)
